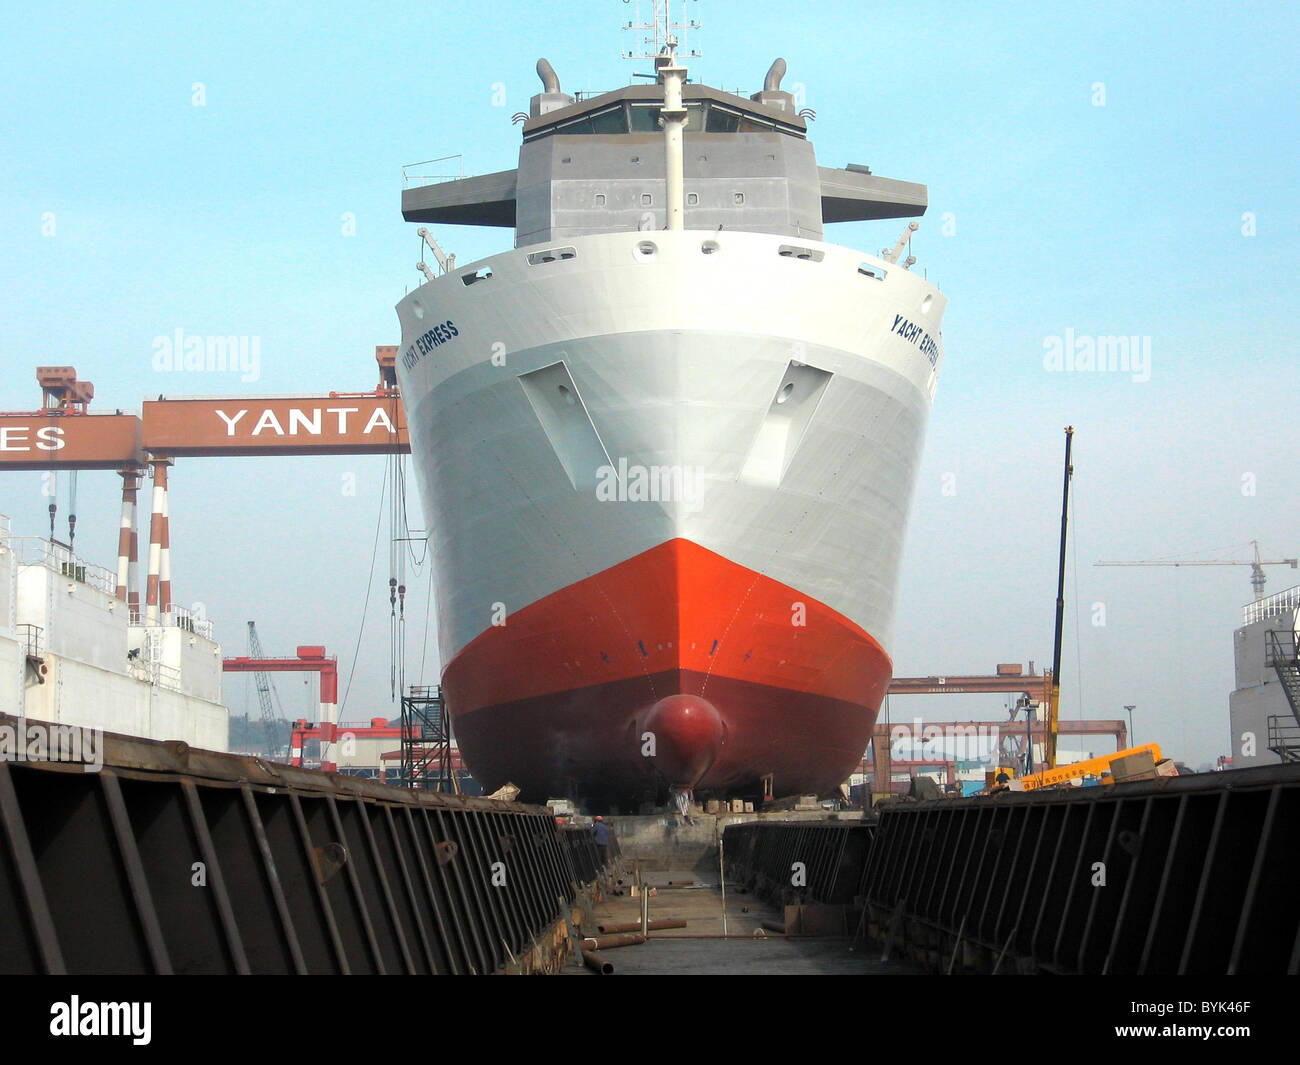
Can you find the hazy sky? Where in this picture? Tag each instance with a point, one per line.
(1094, 170)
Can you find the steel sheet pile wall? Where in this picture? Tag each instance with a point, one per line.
(797, 861)
(580, 844)
(178, 860)
(1189, 875)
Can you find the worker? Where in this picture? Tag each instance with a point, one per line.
(682, 803)
(601, 831)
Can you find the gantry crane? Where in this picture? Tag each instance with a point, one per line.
(1256, 566)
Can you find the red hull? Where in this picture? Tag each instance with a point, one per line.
(578, 693)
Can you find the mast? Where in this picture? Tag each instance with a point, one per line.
(672, 77)
(1054, 707)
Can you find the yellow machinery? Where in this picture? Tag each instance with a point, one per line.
(1090, 767)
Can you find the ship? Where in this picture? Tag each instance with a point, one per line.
(666, 446)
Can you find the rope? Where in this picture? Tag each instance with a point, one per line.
(365, 602)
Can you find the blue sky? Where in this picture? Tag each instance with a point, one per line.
(1122, 219)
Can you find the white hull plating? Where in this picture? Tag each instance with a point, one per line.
(772, 406)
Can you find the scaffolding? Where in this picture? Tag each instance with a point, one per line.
(426, 741)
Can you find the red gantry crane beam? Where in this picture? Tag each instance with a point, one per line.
(63, 435)
(885, 732)
(1034, 684)
(1010, 679)
(54, 440)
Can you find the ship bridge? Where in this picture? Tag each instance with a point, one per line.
(598, 166)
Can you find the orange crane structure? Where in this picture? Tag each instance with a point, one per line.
(311, 659)
(1009, 679)
(64, 435)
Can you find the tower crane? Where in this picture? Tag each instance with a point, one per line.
(1256, 566)
(262, 681)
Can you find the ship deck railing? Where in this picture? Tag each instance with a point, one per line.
(414, 180)
(1272, 606)
(58, 557)
(1284, 738)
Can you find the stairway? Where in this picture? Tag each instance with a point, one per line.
(1282, 653)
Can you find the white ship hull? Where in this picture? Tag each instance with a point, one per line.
(773, 408)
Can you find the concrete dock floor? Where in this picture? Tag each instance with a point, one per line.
(699, 949)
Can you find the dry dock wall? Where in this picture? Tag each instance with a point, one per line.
(667, 842)
(175, 860)
(1187, 875)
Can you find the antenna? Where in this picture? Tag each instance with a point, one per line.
(660, 30)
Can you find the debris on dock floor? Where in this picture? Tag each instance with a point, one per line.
(701, 949)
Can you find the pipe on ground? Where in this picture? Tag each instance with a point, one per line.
(635, 926)
(609, 942)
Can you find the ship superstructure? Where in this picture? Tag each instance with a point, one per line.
(72, 655)
(667, 445)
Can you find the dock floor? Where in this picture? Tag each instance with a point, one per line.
(700, 949)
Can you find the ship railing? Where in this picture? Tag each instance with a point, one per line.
(411, 176)
(164, 676)
(1281, 648)
(59, 558)
(191, 621)
(1271, 606)
(1284, 737)
(32, 637)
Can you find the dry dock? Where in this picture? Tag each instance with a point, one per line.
(748, 948)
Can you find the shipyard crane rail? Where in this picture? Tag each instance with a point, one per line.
(1256, 566)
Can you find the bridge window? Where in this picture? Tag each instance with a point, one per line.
(645, 117)
(610, 120)
(720, 120)
(642, 116)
